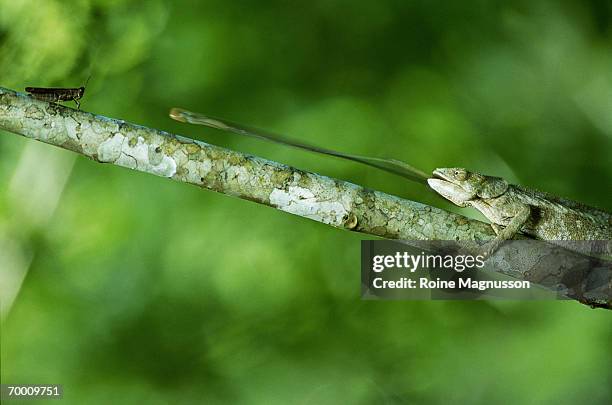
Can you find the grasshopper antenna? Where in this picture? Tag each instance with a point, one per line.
(389, 165)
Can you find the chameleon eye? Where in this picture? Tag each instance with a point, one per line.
(460, 174)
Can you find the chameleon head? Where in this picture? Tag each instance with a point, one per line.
(461, 186)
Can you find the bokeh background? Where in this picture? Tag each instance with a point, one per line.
(128, 288)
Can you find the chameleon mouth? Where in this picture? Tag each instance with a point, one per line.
(450, 191)
(439, 174)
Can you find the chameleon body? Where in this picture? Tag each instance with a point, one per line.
(513, 209)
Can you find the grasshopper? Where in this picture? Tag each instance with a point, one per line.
(55, 94)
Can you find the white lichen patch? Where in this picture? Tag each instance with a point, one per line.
(301, 201)
(195, 171)
(71, 126)
(118, 150)
(238, 173)
(110, 150)
(155, 154)
(205, 167)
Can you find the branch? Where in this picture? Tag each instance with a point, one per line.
(330, 201)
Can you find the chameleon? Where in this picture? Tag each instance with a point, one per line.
(511, 209)
(515, 209)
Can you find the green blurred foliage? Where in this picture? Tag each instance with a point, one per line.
(141, 290)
